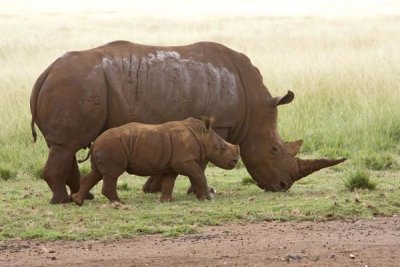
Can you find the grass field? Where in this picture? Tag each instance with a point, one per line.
(345, 74)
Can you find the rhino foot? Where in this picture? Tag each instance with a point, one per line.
(89, 196)
(190, 190)
(205, 196)
(211, 192)
(166, 199)
(77, 199)
(60, 199)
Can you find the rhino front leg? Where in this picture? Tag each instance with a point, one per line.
(168, 182)
(197, 179)
(192, 189)
(153, 184)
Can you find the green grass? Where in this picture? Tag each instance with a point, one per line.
(380, 162)
(6, 173)
(26, 213)
(248, 180)
(359, 180)
(344, 72)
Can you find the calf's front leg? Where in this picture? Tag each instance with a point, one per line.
(197, 179)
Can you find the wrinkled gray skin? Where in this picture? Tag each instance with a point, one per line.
(85, 93)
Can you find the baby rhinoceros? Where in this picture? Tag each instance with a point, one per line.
(165, 150)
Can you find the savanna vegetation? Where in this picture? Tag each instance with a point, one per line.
(346, 77)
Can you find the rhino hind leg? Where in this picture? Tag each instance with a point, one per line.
(153, 184)
(73, 180)
(109, 189)
(56, 171)
(74, 177)
(86, 184)
(168, 183)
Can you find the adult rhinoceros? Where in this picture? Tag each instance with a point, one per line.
(85, 93)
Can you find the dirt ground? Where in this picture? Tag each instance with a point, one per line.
(334, 243)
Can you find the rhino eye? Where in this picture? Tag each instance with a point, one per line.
(275, 149)
(223, 146)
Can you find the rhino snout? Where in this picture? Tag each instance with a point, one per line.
(280, 186)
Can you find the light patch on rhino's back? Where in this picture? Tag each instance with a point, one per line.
(177, 85)
(162, 55)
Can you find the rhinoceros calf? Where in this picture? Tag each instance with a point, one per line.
(166, 150)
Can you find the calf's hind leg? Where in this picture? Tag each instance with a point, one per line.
(73, 180)
(110, 186)
(87, 183)
(168, 182)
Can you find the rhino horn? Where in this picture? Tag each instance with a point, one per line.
(306, 167)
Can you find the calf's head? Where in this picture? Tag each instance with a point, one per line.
(217, 150)
(271, 162)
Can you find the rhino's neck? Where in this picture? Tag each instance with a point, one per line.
(260, 135)
(200, 142)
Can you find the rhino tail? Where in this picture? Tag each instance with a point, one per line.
(34, 135)
(34, 98)
(87, 156)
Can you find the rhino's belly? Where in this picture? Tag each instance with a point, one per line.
(164, 86)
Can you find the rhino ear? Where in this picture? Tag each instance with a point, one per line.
(208, 122)
(293, 147)
(286, 99)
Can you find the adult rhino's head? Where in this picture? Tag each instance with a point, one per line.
(271, 162)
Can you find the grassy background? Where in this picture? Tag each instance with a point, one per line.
(344, 71)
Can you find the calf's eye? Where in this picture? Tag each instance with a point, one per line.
(274, 149)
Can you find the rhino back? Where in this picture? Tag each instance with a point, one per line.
(90, 91)
(158, 84)
(155, 149)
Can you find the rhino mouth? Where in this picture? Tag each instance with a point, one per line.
(233, 162)
(282, 186)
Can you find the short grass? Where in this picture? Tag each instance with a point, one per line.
(26, 213)
(343, 70)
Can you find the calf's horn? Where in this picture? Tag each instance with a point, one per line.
(309, 166)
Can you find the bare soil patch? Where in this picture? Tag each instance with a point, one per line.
(373, 242)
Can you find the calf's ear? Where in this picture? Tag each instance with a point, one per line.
(208, 122)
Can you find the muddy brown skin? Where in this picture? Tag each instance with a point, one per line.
(165, 150)
(84, 93)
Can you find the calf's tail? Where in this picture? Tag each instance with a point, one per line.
(87, 156)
